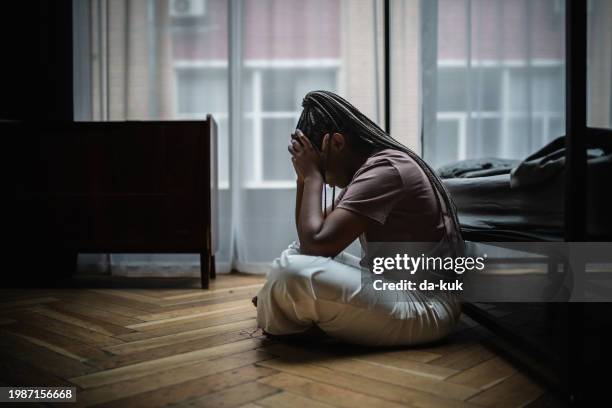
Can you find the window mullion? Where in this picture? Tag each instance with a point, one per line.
(258, 125)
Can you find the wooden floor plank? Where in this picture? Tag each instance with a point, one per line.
(193, 318)
(409, 360)
(150, 366)
(105, 296)
(17, 372)
(485, 374)
(41, 357)
(447, 347)
(290, 400)
(86, 322)
(176, 375)
(401, 355)
(87, 296)
(325, 393)
(177, 348)
(68, 330)
(133, 294)
(235, 280)
(369, 386)
(465, 357)
(386, 374)
(105, 315)
(219, 294)
(102, 305)
(200, 294)
(238, 297)
(398, 353)
(166, 328)
(183, 336)
(161, 293)
(181, 297)
(195, 310)
(408, 365)
(55, 342)
(515, 391)
(197, 387)
(233, 397)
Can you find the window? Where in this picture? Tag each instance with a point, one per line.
(272, 101)
(147, 62)
(272, 94)
(498, 71)
(281, 63)
(509, 111)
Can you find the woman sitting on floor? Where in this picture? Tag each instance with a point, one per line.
(390, 195)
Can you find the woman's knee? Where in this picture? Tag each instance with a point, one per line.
(286, 269)
(292, 274)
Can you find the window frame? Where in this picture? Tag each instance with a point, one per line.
(505, 114)
(256, 114)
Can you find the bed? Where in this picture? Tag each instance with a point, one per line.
(500, 203)
(566, 343)
(498, 208)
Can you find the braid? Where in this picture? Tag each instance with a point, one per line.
(325, 112)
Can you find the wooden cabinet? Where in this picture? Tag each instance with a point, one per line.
(122, 187)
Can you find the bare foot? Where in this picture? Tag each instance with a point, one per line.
(254, 301)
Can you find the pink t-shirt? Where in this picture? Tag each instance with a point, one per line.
(391, 189)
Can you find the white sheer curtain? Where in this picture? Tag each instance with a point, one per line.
(599, 63)
(247, 62)
(286, 49)
(470, 79)
(493, 73)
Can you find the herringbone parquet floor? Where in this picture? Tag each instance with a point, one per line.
(189, 347)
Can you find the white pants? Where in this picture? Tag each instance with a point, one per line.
(302, 291)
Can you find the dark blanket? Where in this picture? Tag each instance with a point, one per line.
(549, 161)
(477, 168)
(529, 202)
(539, 167)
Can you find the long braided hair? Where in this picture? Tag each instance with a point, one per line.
(325, 112)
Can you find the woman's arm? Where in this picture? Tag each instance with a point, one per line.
(325, 236)
(299, 193)
(299, 190)
(318, 235)
(310, 220)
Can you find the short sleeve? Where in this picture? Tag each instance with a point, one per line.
(374, 191)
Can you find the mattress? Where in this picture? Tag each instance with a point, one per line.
(490, 209)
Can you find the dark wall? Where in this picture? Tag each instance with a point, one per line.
(35, 85)
(36, 60)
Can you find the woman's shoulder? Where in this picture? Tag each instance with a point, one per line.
(397, 158)
(406, 166)
(383, 167)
